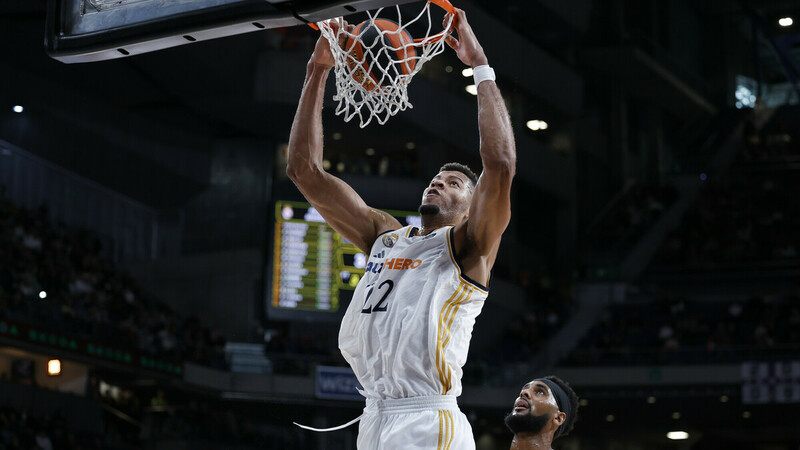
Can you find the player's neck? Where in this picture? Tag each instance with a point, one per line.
(529, 441)
(426, 230)
(432, 222)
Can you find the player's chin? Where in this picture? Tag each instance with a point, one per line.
(427, 208)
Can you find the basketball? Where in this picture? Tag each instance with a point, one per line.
(380, 51)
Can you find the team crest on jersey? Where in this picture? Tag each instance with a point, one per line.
(390, 239)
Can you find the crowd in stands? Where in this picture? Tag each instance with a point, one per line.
(633, 214)
(742, 218)
(746, 217)
(548, 307)
(26, 429)
(54, 276)
(205, 424)
(145, 414)
(297, 352)
(678, 330)
(778, 140)
(403, 164)
(194, 422)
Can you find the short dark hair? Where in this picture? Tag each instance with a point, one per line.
(573, 401)
(458, 167)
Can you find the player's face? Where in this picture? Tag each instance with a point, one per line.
(449, 190)
(533, 410)
(535, 399)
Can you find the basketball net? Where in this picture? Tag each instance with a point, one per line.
(390, 72)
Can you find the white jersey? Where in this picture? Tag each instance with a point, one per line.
(406, 332)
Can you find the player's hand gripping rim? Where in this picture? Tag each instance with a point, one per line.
(466, 46)
(322, 54)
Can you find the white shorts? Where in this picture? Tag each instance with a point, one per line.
(429, 423)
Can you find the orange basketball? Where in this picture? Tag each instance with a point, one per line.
(385, 45)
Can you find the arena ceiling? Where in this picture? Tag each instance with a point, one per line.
(209, 88)
(188, 97)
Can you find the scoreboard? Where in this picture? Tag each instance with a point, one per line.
(314, 269)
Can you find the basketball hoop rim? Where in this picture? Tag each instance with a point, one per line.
(444, 4)
(450, 9)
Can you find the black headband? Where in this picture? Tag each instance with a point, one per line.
(562, 400)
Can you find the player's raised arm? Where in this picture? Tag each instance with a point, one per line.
(338, 203)
(478, 239)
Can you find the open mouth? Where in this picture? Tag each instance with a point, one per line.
(521, 405)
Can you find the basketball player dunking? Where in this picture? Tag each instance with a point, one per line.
(407, 330)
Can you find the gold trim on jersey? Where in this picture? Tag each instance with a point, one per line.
(451, 252)
(439, 445)
(445, 429)
(448, 313)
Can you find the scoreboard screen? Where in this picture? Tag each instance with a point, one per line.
(313, 269)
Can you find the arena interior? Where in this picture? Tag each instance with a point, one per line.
(651, 261)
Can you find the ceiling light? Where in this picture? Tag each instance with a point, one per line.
(746, 414)
(472, 89)
(467, 72)
(42, 294)
(723, 399)
(370, 151)
(448, 69)
(17, 108)
(610, 418)
(651, 400)
(54, 367)
(676, 415)
(785, 21)
(410, 146)
(537, 125)
(677, 435)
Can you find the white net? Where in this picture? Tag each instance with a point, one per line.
(376, 60)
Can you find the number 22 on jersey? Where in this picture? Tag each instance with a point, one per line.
(384, 289)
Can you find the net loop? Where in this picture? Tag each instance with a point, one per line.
(375, 62)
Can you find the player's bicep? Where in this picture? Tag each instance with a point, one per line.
(345, 211)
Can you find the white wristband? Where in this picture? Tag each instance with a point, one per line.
(482, 73)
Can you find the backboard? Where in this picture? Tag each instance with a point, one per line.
(97, 30)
